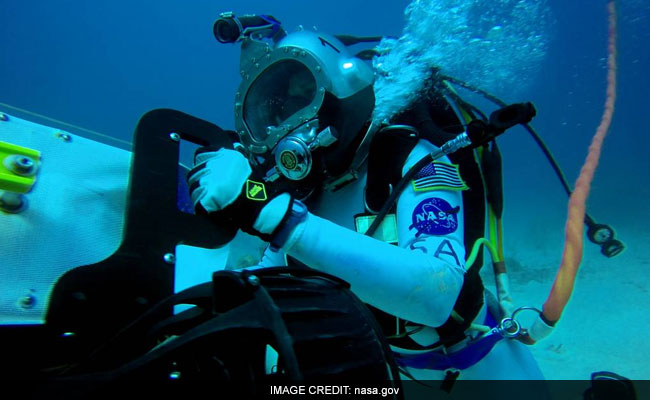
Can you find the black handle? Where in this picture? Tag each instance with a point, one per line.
(481, 133)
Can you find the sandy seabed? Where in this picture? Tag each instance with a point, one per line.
(605, 324)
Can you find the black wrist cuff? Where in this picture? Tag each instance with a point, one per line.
(256, 194)
(296, 213)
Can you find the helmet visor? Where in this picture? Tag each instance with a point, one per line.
(279, 92)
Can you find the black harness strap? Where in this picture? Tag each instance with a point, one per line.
(388, 151)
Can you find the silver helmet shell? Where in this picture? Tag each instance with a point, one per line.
(283, 86)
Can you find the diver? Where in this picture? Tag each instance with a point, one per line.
(311, 169)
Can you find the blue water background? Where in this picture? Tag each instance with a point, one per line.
(102, 64)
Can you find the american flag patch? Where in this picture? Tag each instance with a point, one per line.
(437, 176)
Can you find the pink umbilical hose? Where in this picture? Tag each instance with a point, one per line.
(572, 255)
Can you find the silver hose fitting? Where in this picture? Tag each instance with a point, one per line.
(456, 143)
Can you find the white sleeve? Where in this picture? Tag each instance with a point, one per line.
(418, 281)
(273, 258)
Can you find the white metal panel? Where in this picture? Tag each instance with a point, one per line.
(75, 216)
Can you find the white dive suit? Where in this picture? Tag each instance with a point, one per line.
(418, 280)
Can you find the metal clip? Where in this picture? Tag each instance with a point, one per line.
(510, 327)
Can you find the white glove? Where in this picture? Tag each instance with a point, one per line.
(220, 177)
(224, 178)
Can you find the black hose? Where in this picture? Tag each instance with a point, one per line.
(349, 40)
(558, 171)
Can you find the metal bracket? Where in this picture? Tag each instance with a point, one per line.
(18, 167)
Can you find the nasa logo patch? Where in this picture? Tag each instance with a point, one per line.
(435, 216)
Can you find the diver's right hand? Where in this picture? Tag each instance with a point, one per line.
(217, 179)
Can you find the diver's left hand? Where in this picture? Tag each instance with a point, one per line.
(223, 182)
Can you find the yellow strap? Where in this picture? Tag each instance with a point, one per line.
(500, 239)
(463, 112)
(474, 253)
(494, 234)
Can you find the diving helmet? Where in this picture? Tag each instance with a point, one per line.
(302, 104)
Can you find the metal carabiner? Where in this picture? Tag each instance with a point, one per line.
(510, 328)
